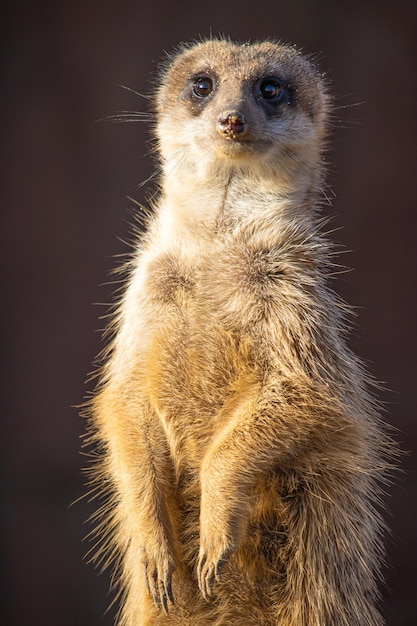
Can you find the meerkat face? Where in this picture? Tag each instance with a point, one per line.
(233, 105)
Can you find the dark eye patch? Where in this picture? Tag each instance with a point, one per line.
(202, 87)
(272, 91)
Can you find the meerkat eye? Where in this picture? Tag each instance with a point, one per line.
(271, 89)
(203, 86)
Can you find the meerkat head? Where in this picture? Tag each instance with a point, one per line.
(223, 105)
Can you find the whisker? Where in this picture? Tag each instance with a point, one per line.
(137, 93)
(127, 116)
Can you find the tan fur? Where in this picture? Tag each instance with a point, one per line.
(238, 445)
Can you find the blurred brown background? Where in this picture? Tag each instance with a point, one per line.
(65, 214)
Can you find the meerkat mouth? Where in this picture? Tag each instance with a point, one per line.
(235, 146)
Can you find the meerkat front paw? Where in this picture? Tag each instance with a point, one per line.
(158, 567)
(222, 528)
(217, 543)
(209, 569)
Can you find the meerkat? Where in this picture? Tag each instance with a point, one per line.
(238, 444)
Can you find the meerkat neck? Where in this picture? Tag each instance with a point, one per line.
(200, 201)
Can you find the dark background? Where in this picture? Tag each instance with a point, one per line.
(66, 213)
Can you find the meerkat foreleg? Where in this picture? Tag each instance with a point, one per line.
(266, 428)
(227, 473)
(139, 466)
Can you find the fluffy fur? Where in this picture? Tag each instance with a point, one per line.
(238, 445)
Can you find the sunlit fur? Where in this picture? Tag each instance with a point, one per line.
(238, 450)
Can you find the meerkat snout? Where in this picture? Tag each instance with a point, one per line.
(231, 124)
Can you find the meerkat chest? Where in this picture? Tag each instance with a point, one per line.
(227, 286)
(198, 310)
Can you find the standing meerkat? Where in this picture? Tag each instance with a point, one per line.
(238, 445)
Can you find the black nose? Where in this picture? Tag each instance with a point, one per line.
(231, 124)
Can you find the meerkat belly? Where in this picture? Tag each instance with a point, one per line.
(197, 362)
